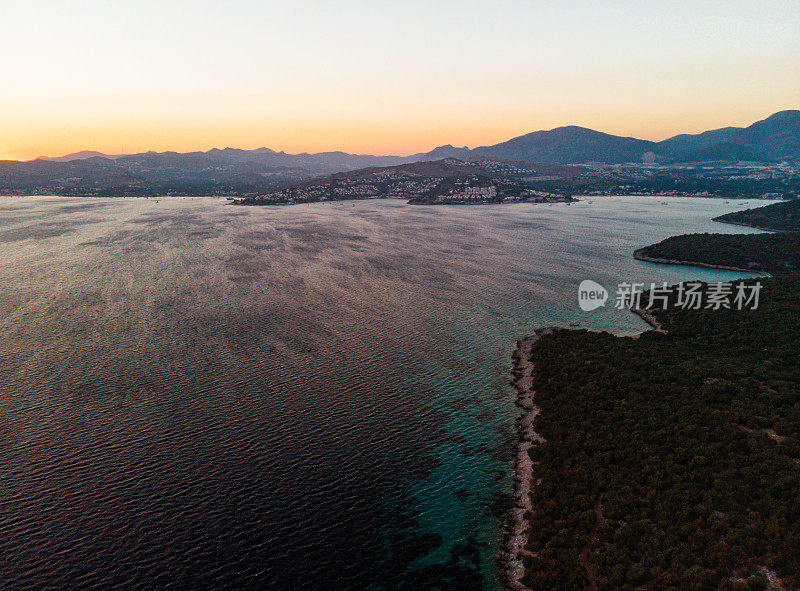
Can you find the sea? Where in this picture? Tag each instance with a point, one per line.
(196, 395)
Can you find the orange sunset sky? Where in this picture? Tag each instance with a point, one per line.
(383, 78)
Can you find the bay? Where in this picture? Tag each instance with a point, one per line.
(307, 397)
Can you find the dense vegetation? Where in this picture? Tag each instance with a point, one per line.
(672, 461)
(779, 252)
(780, 216)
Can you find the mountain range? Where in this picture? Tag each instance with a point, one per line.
(221, 171)
(773, 139)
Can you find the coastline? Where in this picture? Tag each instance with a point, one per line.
(719, 220)
(649, 318)
(515, 537)
(639, 256)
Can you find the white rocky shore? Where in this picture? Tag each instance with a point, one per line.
(516, 537)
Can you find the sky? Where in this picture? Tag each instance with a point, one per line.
(382, 77)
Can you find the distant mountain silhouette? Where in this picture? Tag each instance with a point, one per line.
(321, 163)
(82, 155)
(569, 145)
(773, 139)
(447, 151)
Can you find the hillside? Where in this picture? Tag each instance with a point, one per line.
(568, 145)
(780, 217)
(775, 138)
(441, 181)
(147, 174)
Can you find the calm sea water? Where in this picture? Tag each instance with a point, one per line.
(309, 397)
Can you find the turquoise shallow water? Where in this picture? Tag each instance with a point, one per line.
(307, 397)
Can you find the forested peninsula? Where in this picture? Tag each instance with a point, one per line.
(672, 460)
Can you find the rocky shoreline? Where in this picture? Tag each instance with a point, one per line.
(516, 536)
(640, 256)
(743, 224)
(649, 318)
